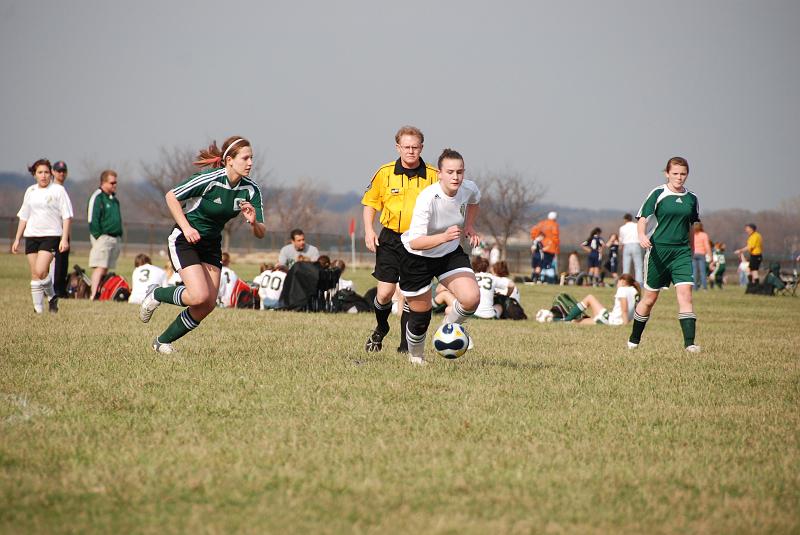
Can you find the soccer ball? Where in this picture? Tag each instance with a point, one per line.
(450, 340)
(544, 316)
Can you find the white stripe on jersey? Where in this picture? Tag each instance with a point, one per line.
(181, 188)
(91, 204)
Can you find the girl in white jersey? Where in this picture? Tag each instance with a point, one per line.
(44, 221)
(625, 299)
(443, 213)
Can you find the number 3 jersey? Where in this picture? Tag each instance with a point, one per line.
(209, 200)
(143, 276)
(489, 284)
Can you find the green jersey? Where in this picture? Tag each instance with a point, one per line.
(669, 215)
(209, 200)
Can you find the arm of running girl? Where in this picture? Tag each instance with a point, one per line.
(370, 238)
(64, 244)
(174, 205)
(641, 225)
(469, 225)
(423, 243)
(249, 214)
(20, 229)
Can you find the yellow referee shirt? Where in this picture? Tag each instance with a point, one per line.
(393, 192)
(754, 243)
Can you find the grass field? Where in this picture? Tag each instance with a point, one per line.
(271, 422)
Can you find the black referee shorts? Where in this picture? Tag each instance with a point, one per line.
(34, 244)
(417, 272)
(388, 256)
(184, 254)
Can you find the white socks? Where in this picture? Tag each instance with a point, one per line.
(40, 289)
(457, 314)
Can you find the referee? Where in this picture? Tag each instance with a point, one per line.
(393, 192)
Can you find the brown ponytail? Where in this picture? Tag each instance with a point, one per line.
(212, 156)
(628, 278)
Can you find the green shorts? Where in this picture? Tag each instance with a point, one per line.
(665, 264)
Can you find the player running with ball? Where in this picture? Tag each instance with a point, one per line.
(201, 205)
(668, 259)
(432, 249)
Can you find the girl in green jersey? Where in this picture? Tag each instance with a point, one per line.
(201, 206)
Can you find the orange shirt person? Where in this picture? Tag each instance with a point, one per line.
(547, 229)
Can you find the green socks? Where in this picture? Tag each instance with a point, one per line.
(181, 326)
(688, 322)
(170, 294)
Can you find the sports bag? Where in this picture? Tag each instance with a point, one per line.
(113, 288)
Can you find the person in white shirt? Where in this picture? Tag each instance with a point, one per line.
(173, 277)
(343, 284)
(227, 282)
(494, 255)
(489, 285)
(145, 274)
(270, 285)
(631, 249)
(501, 271)
(628, 292)
(44, 220)
(443, 213)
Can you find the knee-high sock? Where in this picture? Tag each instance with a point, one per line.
(688, 321)
(382, 311)
(575, 312)
(37, 295)
(170, 294)
(639, 323)
(457, 314)
(47, 287)
(416, 330)
(403, 326)
(181, 326)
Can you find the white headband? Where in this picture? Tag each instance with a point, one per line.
(229, 148)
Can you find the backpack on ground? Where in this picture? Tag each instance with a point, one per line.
(79, 285)
(346, 299)
(562, 304)
(244, 296)
(113, 288)
(512, 310)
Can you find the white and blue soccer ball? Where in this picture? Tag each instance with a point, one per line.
(544, 316)
(450, 340)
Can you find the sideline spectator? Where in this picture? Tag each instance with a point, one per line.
(145, 274)
(717, 276)
(536, 259)
(343, 284)
(289, 253)
(44, 220)
(393, 192)
(270, 285)
(494, 255)
(500, 270)
(573, 275)
(594, 246)
(743, 270)
(612, 263)
(549, 232)
(621, 314)
(105, 228)
(631, 249)
(701, 256)
(755, 248)
(60, 270)
(227, 282)
(173, 277)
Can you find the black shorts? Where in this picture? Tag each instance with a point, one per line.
(547, 260)
(594, 259)
(184, 254)
(417, 272)
(389, 255)
(755, 261)
(34, 244)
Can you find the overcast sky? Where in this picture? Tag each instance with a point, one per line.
(589, 98)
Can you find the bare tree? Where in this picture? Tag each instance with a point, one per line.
(173, 166)
(507, 200)
(295, 207)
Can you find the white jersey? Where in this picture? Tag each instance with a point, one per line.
(488, 285)
(629, 233)
(345, 284)
(227, 282)
(174, 279)
(45, 210)
(270, 286)
(143, 276)
(629, 293)
(435, 212)
(505, 284)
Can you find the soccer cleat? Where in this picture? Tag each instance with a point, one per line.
(164, 349)
(52, 305)
(693, 348)
(417, 361)
(149, 304)
(374, 342)
(631, 345)
(402, 348)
